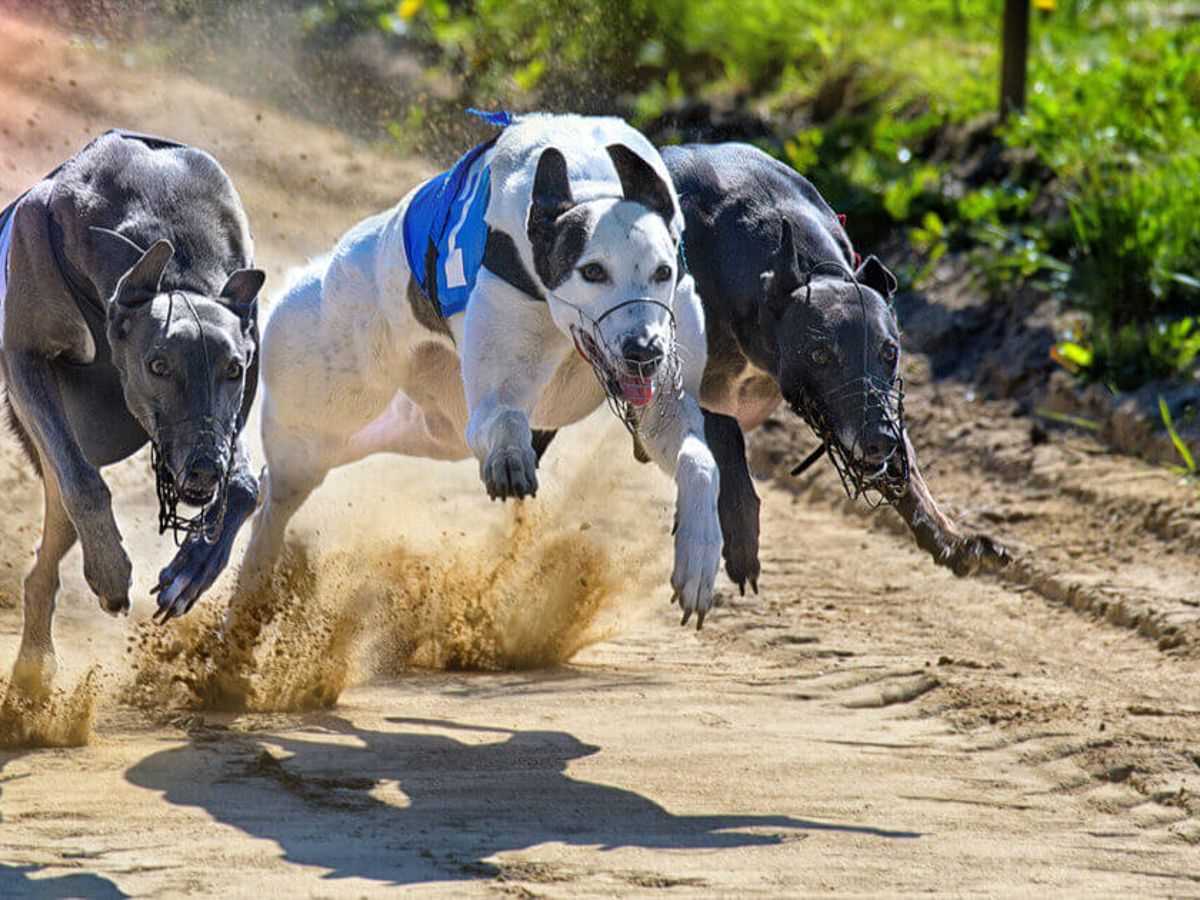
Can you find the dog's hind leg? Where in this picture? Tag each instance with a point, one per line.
(36, 662)
(296, 466)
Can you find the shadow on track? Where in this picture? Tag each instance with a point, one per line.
(15, 884)
(411, 806)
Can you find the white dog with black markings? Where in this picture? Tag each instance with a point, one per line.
(498, 302)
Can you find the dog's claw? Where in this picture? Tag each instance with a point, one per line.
(511, 472)
(192, 572)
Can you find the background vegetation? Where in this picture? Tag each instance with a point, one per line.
(1092, 194)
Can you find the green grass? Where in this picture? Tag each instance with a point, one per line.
(1092, 193)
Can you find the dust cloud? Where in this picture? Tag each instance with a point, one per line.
(61, 718)
(526, 589)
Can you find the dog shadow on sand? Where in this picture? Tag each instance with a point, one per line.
(36, 881)
(410, 806)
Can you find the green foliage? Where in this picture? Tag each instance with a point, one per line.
(1092, 193)
(1181, 447)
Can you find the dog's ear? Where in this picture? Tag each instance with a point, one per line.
(875, 274)
(640, 183)
(551, 195)
(140, 284)
(782, 279)
(241, 290)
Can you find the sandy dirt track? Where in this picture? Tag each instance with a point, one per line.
(869, 725)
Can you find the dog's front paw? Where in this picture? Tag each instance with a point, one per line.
(511, 472)
(108, 572)
(739, 513)
(697, 561)
(191, 573)
(975, 554)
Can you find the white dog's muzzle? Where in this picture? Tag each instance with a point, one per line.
(629, 384)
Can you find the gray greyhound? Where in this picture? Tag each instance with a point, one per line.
(130, 316)
(793, 315)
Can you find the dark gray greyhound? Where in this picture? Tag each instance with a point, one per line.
(130, 316)
(792, 315)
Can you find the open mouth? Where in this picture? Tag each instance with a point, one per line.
(636, 390)
(197, 499)
(632, 386)
(210, 502)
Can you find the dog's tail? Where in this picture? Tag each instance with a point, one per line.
(15, 426)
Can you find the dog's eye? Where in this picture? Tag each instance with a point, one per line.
(820, 356)
(662, 273)
(593, 273)
(158, 366)
(889, 353)
(234, 372)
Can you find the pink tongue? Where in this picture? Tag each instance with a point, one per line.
(637, 393)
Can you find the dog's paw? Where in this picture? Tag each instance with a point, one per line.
(739, 531)
(192, 572)
(108, 573)
(697, 561)
(976, 554)
(741, 561)
(33, 673)
(511, 472)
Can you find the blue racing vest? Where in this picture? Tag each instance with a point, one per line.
(445, 234)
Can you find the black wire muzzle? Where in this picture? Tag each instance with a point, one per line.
(880, 400)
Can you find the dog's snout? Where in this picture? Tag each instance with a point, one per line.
(643, 351)
(878, 448)
(203, 475)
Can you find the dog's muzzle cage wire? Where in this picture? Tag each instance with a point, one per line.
(205, 524)
(882, 407)
(664, 373)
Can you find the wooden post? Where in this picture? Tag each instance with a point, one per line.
(1015, 55)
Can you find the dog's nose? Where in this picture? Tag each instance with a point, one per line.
(203, 475)
(644, 352)
(878, 449)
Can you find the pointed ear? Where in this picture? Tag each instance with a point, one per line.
(241, 290)
(875, 275)
(782, 279)
(640, 183)
(140, 284)
(551, 194)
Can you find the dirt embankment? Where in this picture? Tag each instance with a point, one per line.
(868, 725)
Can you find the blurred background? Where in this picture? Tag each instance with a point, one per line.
(1073, 219)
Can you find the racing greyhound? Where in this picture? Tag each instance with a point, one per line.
(794, 316)
(128, 307)
(502, 299)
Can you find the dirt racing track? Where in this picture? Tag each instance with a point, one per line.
(867, 725)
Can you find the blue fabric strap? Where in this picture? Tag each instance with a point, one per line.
(445, 233)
